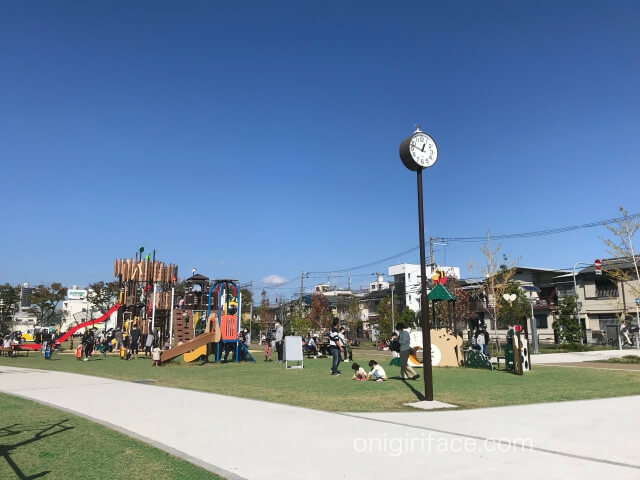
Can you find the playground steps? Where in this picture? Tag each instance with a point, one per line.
(182, 326)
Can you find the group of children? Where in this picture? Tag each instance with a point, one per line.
(377, 373)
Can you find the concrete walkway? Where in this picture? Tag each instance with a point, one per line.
(573, 357)
(240, 438)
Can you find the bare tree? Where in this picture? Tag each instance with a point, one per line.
(496, 279)
(623, 229)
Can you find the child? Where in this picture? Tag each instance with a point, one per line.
(155, 356)
(267, 350)
(377, 373)
(359, 374)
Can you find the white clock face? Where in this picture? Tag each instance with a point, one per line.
(423, 150)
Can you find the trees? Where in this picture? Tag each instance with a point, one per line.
(9, 298)
(384, 318)
(623, 230)
(566, 326)
(103, 295)
(44, 301)
(497, 276)
(408, 317)
(266, 315)
(319, 316)
(455, 314)
(247, 301)
(512, 313)
(351, 318)
(300, 324)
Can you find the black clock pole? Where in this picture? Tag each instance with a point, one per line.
(424, 302)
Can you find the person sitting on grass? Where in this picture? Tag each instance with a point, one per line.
(377, 373)
(359, 373)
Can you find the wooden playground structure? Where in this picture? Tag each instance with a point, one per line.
(146, 293)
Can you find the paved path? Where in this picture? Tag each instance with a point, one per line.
(240, 438)
(572, 357)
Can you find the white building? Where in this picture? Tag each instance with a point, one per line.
(77, 309)
(328, 291)
(406, 278)
(379, 285)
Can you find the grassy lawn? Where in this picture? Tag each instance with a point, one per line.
(38, 441)
(313, 387)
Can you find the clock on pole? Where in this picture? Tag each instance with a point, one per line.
(418, 151)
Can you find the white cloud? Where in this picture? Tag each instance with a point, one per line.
(274, 281)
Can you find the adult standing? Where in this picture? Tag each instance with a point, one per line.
(346, 345)
(119, 339)
(87, 342)
(135, 336)
(406, 371)
(148, 344)
(482, 339)
(279, 340)
(334, 347)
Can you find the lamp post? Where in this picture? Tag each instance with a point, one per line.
(418, 152)
(534, 326)
(510, 297)
(393, 317)
(638, 322)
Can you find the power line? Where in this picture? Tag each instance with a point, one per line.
(359, 267)
(537, 233)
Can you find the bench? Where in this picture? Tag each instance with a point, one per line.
(498, 362)
(14, 351)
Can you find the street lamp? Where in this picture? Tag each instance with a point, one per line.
(534, 326)
(510, 297)
(393, 317)
(638, 322)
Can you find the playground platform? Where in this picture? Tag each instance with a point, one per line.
(248, 439)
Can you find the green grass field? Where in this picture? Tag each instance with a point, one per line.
(42, 442)
(313, 387)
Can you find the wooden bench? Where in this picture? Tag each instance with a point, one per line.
(14, 351)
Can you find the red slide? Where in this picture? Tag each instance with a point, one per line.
(71, 331)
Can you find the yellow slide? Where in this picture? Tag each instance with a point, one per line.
(195, 354)
(190, 346)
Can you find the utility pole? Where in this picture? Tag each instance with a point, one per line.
(431, 251)
(302, 276)
(393, 309)
(251, 308)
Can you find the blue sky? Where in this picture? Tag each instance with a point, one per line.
(258, 139)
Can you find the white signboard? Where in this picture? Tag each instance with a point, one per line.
(76, 294)
(293, 351)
